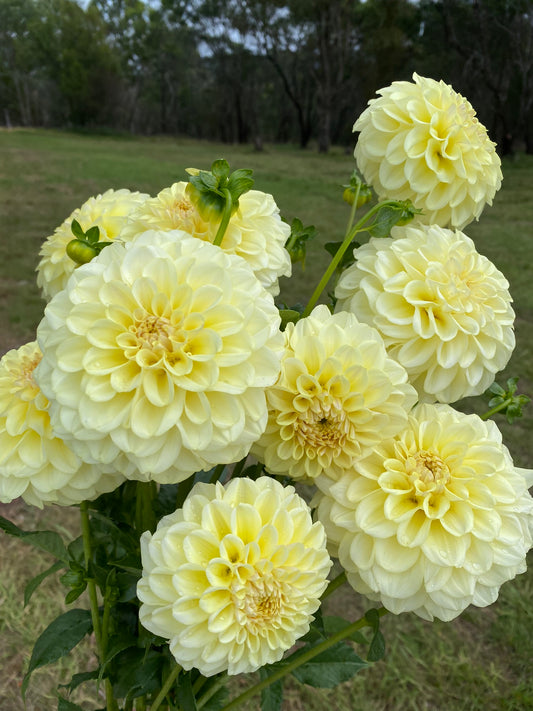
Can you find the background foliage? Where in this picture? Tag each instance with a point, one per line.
(258, 70)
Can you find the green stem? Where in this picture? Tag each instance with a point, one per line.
(496, 409)
(333, 585)
(91, 586)
(226, 216)
(101, 642)
(211, 691)
(353, 210)
(300, 659)
(145, 494)
(171, 678)
(198, 684)
(339, 255)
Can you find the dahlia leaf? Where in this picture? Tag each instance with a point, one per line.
(61, 635)
(48, 541)
(218, 700)
(377, 645)
(330, 668)
(185, 695)
(78, 679)
(272, 696)
(64, 705)
(34, 583)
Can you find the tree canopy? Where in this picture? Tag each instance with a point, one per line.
(258, 70)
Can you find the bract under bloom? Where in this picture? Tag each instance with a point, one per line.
(337, 396)
(444, 310)
(255, 231)
(156, 356)
(422, 141)
(233, 578)
(434, 520)
(108, 212)
(34, 463)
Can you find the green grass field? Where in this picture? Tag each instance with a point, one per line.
(479, 662)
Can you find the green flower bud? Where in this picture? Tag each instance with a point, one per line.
(365, 195)
(81, 252)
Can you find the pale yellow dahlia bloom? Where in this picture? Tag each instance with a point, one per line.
(444, 310)
(108, 212)
(156, 357)
(433, 520)
(34, 463)
(337, 396)
(422, 141)
(233, 578)
(255, 232)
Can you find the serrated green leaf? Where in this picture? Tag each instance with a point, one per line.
(384, 221)
(75, 549)
(48, 541)
(93, 234)
(61, 635)
(64, 705)
(512, 385)
(79, 679)
(377, 648)
(219, 699)
(136, 673)
(116, 645)
(184, 694)
(330, 668)
(377, 645)
(272, 696)
(77, 230)
(334, 624)
(74, 594)
(496, 390)
(34, 583)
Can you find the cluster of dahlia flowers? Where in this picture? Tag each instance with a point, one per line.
(164, 356)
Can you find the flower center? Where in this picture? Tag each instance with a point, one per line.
(323, 426)
(155, 333)
(25, 377)
(180, 211)
(427, 472)
(261, 602)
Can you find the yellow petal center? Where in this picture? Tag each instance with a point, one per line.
(427, 472)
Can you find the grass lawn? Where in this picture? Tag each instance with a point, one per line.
(479, 662)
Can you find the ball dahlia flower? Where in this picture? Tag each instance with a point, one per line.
(338, 395)
(444, 310)
(422, 141)
(34, 462)
(255, 231)
(108, 212)
(233, 578)
(434, 519)
(156, 357)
